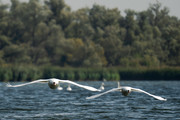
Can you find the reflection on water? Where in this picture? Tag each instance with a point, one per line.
(39, 102)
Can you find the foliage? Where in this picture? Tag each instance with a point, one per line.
(28, 73)
(19, 73)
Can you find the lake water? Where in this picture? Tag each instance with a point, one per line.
(39, 102)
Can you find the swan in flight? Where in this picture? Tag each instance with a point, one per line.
(69, 88)
(125, 90)
(53, 83)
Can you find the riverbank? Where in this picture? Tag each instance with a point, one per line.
(29, 73)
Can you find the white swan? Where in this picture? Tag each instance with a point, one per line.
(125, 91)
(69, 88)
(53, 83)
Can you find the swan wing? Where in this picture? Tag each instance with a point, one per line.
(157, 97)
(36, 81)
(79, 85)
(95, 96)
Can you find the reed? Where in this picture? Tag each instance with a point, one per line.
(29, 73)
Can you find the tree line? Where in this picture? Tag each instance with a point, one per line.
(48, 33)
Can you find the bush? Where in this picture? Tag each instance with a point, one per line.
(80, 75)
(29, 73)
(5, 74)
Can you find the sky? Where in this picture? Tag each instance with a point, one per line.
(137, 5)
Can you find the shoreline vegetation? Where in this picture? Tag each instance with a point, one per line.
(30, 73)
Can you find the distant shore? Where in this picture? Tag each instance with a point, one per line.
(30, 73)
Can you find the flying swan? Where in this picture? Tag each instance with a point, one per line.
(54, 83)
(125, 90)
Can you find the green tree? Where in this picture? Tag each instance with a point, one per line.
(53, 44)
(15, 54)
(80, 26)
(131, 26)
(61, 12)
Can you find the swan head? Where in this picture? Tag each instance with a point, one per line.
(125, 91)
(53, 83)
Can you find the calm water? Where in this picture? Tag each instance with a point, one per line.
(39, 102)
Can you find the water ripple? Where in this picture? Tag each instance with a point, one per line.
(38, 102)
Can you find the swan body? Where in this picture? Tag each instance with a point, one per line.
(125, 90)
(53, 83)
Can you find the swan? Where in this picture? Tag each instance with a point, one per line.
(125, 90)
(53, 83)
(69, 88)
(101, 87)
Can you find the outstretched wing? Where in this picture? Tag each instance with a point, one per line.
(95, 96)
(82, 86)
(36, 81)
(157, 97)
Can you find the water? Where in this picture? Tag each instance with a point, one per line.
(39, 102)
